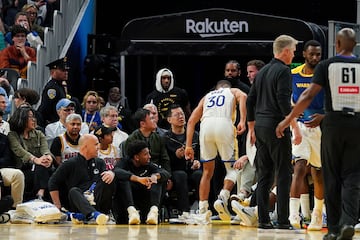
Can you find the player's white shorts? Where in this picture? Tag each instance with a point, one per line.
(309, 148)
(217, 135)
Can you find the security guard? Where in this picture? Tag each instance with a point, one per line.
(54, 90)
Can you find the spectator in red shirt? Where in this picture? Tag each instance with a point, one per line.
(18, 55)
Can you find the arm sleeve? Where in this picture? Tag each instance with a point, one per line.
(250, 104)
(17, 148)
(56, 147)
(284, 89)
(44, 147)
(4, 58)
(165, 160)
(59, 177)
(165, 175)
(121, 171)
(32, 54)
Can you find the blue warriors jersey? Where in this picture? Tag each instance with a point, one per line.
(301, 81)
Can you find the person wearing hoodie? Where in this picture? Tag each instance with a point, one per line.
(166, 94)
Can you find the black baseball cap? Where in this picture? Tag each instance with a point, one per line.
(102, 130)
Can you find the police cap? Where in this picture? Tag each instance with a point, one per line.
(59, 64)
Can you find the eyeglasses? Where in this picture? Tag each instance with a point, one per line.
(68, 109)
(93, 102)
(178, 115)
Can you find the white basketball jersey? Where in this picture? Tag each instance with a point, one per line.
(67, 149)
(109, 156)
(219, 103)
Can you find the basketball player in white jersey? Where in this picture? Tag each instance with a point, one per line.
(217, 113)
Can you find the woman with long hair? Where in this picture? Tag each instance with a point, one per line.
(31, 151)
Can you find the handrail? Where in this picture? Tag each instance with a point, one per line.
(57, 41)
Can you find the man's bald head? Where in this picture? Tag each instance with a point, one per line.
(345, 41)
(89, 146)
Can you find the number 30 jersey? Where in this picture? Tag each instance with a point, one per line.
(217, 130)
(220, 103)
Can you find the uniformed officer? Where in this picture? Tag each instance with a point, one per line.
(54, 90)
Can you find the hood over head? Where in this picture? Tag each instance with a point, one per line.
(158, 80)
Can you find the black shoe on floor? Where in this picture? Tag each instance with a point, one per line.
(284, 226)
(346, 233)
(265, 226)
(329, 236)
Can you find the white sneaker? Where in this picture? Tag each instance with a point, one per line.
(134, 217)
(316, 221)
(246, 214)
(77, 218)
(111, 220)
(221, 207)
(201, 218)
(240, 197)
(185, 216)
(295, 221)
(236, 220)
(153, 216)
(357, 227)
(102, 219)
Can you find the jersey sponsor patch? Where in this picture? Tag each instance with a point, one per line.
(51, 93)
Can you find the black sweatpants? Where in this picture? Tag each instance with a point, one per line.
(103, 194)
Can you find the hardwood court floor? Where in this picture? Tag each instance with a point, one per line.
(215, 231)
